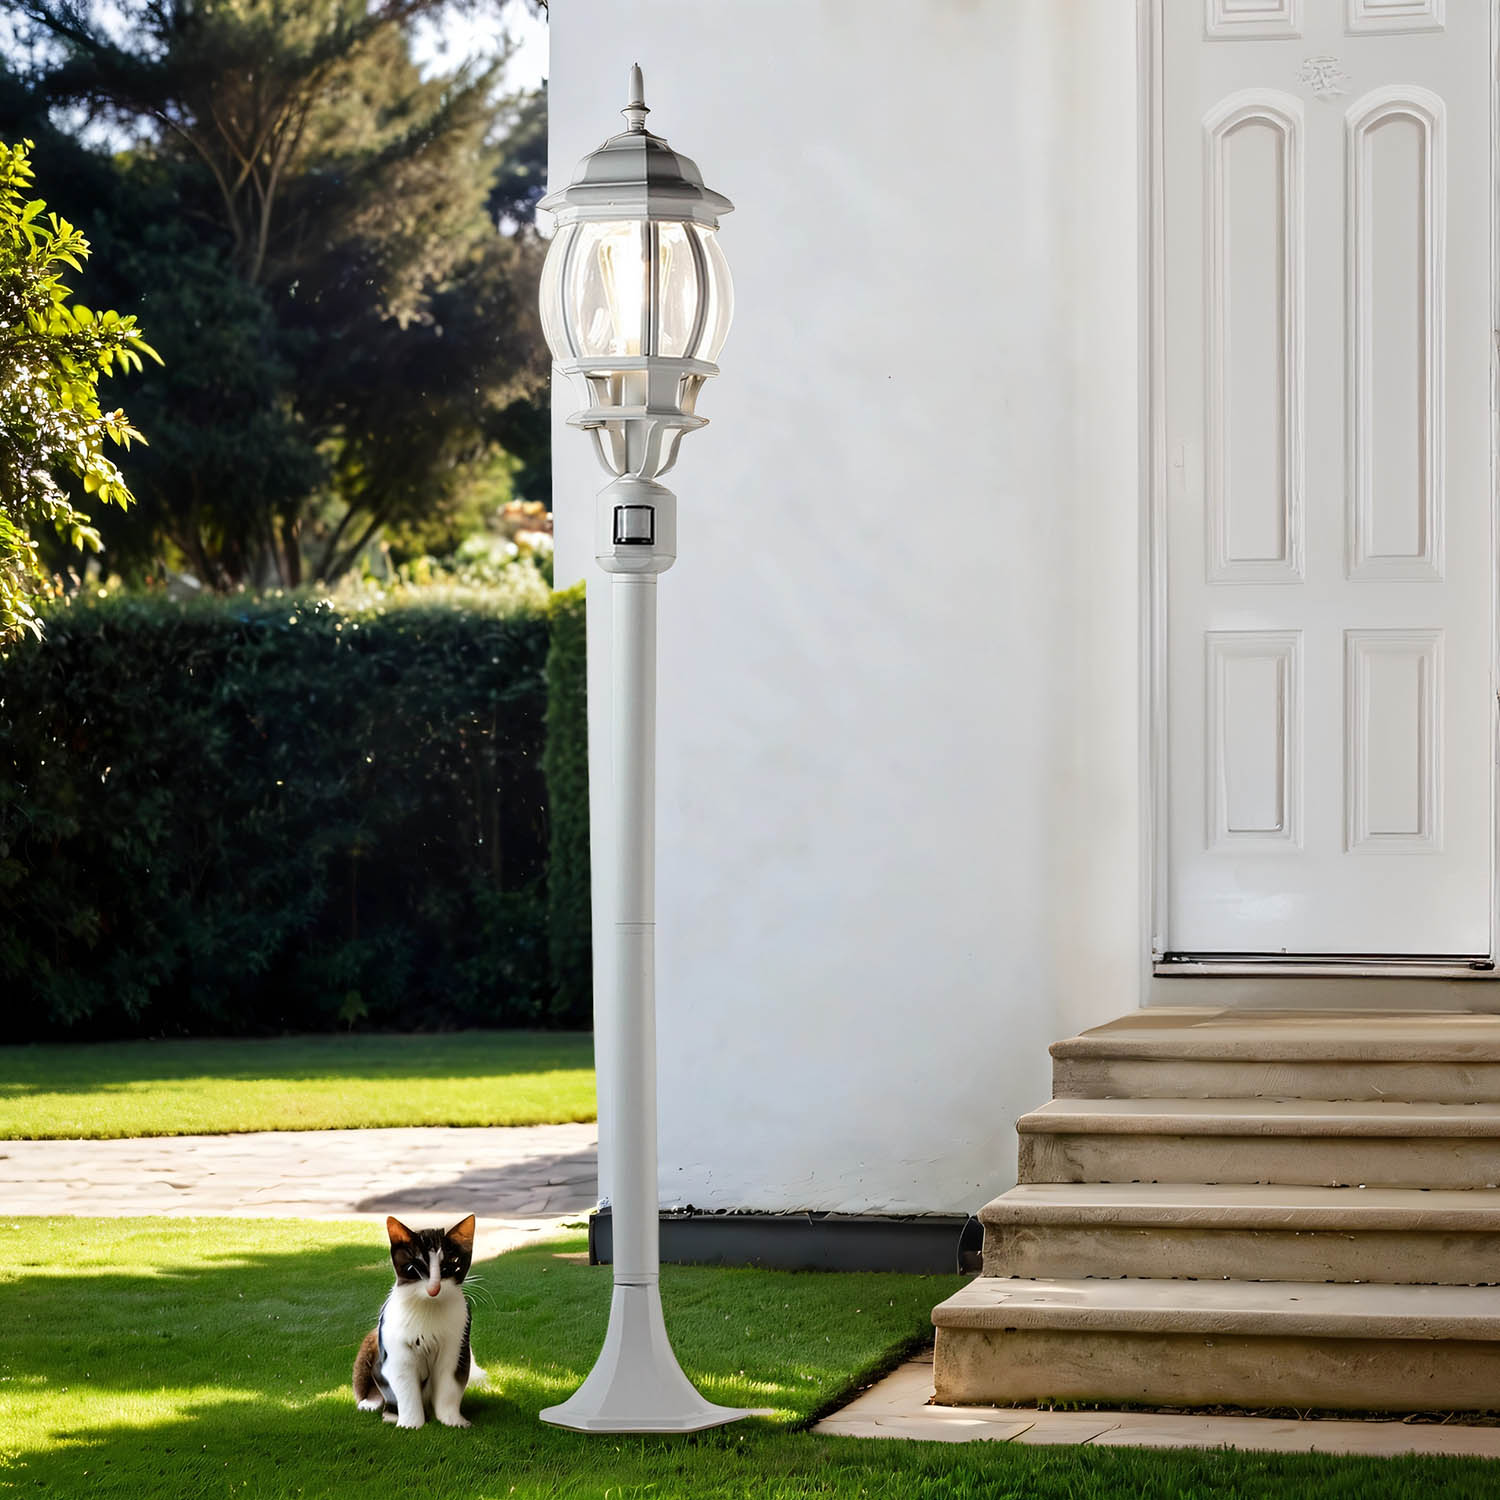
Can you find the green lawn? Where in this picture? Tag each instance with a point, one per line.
(184, 1358)
(99, 1089)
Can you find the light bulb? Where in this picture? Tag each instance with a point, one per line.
(623, 269)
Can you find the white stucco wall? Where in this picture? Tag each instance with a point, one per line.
(899, 813)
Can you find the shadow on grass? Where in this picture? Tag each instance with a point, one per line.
(103, 1067)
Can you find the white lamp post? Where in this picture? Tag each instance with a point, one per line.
(636, 302)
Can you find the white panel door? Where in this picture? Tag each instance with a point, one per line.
(1327, 209)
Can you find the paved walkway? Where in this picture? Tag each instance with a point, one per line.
(519, 1180)
(898, 1408)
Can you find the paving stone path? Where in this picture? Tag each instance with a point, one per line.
(519, 1180)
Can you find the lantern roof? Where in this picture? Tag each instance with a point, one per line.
(637, 175)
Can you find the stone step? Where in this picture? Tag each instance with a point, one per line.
(1247, 1232)
(1200, 1052)
(1316, 1142)
(1401, 1348)
(1202, 1078)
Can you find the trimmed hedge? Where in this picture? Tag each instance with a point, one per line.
(569, 924)
(240, 817)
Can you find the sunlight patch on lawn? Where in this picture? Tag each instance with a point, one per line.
(733, 1391)
(508, 1379)
(89, 1411)
(214, 1087)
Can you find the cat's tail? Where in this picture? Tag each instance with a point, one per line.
(366, 1390)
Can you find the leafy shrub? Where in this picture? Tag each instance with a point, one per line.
(232, 816)
(51, 358)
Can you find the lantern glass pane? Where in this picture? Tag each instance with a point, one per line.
(606, 289)
(720, 296)
(681, 288)
(550, 295)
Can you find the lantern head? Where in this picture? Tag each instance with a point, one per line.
(636, 297)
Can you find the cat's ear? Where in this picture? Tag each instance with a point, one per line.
(399, 1233)
(462, 1235)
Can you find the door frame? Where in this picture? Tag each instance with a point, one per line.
(1154, 742)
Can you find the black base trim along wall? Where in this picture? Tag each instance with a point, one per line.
(931, 1243)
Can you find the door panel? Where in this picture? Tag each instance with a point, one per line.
(1327, 212)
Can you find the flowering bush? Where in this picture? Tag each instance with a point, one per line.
(514, 556)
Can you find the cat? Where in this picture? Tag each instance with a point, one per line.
(418, 1352)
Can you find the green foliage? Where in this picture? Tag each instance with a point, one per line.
(51, 358)
(231, 816)
(518, 585)
(569, 926)
(466, 516)
(524, 430)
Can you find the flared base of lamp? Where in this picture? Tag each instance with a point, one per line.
(636, 1384)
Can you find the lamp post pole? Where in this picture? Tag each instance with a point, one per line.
(635, 1227)
(636, 302)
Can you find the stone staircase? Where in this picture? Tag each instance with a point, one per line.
(1248, 1208)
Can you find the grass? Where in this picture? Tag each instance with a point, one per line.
(186, 1358)
(97, 1090)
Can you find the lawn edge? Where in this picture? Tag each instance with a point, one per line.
(862, 1380)
(578, 1118)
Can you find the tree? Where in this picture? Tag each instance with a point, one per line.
(411, 319)
(51, 359)
(238, 83)
(230, 460)
(328, 218)
(521, 181)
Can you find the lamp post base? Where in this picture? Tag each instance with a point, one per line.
(636, 1384)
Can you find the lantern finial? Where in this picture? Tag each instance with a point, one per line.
(635, 112)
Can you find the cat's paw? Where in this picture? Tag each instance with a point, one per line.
(476, 1376)
(371, 1403)
(455, 1421)
(410, 1421)
(390, 1416)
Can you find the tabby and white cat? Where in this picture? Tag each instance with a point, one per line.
(418, 1353)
